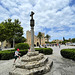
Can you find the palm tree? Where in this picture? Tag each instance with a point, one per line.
(48, 37)
(39, 36)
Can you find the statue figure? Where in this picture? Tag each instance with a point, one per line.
(32, 20)
(32, 13)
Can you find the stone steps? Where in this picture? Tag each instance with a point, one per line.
(19, 71)
(36, 71)
(32, 58)
(33, 64)
(32, 53)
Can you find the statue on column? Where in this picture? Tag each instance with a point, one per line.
(33, 63)
(32, 13)
(32, 20)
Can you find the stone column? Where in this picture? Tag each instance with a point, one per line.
(32, 32)
(32, 39)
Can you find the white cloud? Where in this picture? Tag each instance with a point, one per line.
(8, 3)
(73, 8)
(48, 14)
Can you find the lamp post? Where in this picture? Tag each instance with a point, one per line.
(32, 31)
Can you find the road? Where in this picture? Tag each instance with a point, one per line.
(61, 66)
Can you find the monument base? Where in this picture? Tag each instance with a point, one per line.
(33, 63)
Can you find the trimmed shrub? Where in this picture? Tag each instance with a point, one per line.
(46, 51)
(9, 54)
(6, 55)
(68, 53)
(22, 46)
(23, 52)
(39, 49)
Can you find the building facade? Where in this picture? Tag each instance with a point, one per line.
(5, 44)
(57, 41)
(36, 39)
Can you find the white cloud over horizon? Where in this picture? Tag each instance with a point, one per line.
(53, 17)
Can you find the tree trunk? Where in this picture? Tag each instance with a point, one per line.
(13, 42)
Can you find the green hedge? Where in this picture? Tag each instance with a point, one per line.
(23, 52)
(9, 54)
(68, 53)
(46, 51)
(22, 46)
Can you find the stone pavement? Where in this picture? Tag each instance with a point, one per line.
(6, 66)
(61, 66)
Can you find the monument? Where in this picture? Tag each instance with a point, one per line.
(32, 32)
(33, 63)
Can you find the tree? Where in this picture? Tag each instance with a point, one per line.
(17, 40)
(2, 34)
(12, 29)
(69, 39)
(2, 31)
(17, 30)
(73, 40)
(63, 39)
(48, 37)
(39, 36)
(20, 39)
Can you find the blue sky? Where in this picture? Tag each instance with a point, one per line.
(53, 17)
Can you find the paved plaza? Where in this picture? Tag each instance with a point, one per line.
(61, 66)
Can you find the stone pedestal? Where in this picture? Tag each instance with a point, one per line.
(33, 63)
